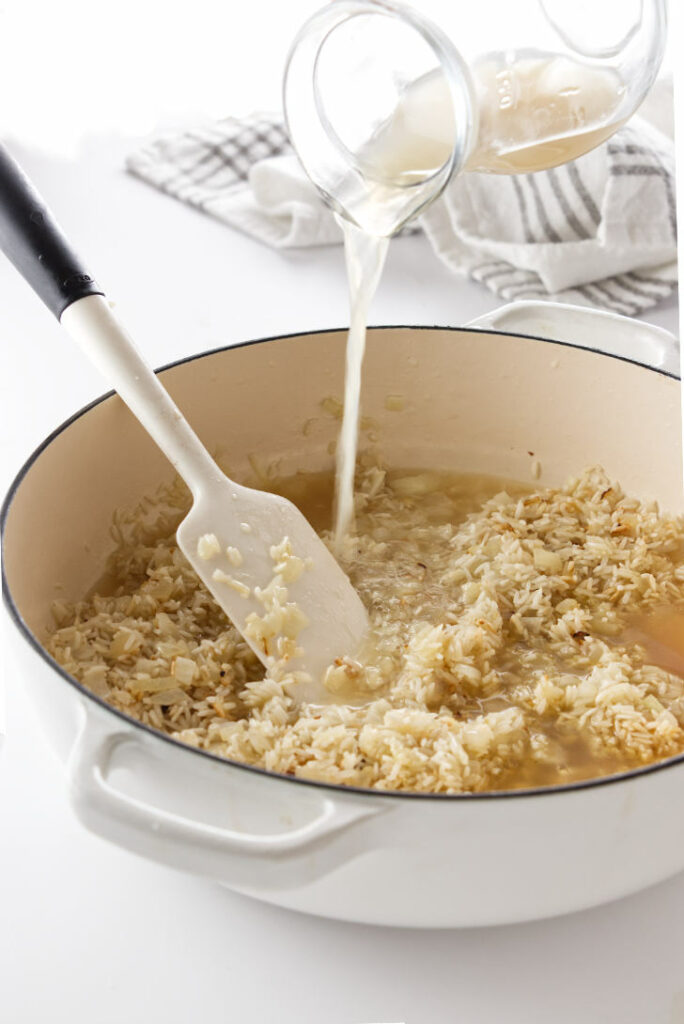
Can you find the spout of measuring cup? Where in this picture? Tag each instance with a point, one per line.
(380, 108)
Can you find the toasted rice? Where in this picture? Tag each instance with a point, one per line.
(496, 658)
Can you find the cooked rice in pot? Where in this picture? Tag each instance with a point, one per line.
(497, 659)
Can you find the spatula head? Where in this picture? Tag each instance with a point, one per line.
(276, 581)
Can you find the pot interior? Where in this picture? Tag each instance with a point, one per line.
(470, 401)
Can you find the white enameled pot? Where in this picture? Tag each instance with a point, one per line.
(474, 400)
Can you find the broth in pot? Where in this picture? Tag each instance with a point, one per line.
(519, 638)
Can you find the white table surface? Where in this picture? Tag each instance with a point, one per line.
(90, 933)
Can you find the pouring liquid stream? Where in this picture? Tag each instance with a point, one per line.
(536, 111)
(365, 257)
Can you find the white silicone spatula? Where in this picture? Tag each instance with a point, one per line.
(255, 552)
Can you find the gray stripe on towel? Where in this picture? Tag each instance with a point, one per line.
(650, 170)
(608, 298)
(570, 215)
(547, 227)
(635, 286)
(583, 193)
(529, 236)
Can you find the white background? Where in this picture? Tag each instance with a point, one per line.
(89, 932)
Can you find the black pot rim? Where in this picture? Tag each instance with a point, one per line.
(339, 788)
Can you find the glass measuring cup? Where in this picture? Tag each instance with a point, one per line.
(385, 102)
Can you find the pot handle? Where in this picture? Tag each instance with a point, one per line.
(210, 850)
(588, 328)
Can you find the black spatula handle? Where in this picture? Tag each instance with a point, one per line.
(33, 241)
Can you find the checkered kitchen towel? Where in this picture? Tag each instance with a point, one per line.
(600, 231)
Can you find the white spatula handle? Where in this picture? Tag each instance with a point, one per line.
(93, 326)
